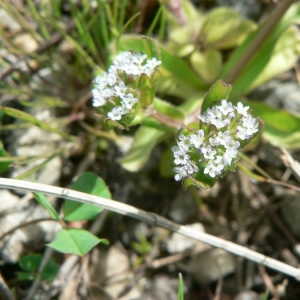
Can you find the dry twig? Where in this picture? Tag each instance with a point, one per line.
(155, 220)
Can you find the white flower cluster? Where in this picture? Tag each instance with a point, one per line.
(219, 149)
(109, 87)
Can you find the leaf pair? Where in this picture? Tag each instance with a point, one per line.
(72, 240)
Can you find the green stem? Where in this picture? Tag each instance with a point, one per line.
(254, 165)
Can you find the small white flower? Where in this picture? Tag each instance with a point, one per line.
(210, 169)
(191, 168)
(204, 117)
(219, 163)
(139, 58)
(153, 63)
(107, 93)
(180, 156)
(250, 123)
(230, 154)
(248, 126)
(214, 141)
(197, 138)
(242, 133)
(214, 113)
(98, 99)
(233, 144)
(181, 173)
(100, 81)
(220, 123)
(242, 110)
(226, 107)
(208, 152)
(116, 113)
(129, 101)
(120, 89)
(185, 142)
(224, 137)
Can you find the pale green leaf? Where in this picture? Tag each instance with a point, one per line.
(207, 64)
(87, 183)
(144, 141)
(74, 241)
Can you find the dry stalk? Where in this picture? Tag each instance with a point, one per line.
(155, 220)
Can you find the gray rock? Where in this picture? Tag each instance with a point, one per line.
(34, 141)
(246, 295)
(32, 237)
(210, 265)
(290, 211)
(179, 243)
(6, 21)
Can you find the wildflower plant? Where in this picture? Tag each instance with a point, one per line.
(127, 88)
(205, 154)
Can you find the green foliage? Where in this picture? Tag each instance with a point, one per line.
(266, 295)
(168, 110)
(143, 247)
(30, 265)
(193, 59)
(282, 129)
(75, 241)
(180, 294)
(136, 43)
(216, 93)
(43, 201)
(4, 165)
(87, 183)
(232, 33)
(144, 141)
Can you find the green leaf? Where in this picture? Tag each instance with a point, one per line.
(144, 141)
(266, 295)
(31, 263)
(137, 43)
(262, 56)
(284, 57)
(4, 165)
(43, 201)
(281, 128)
(146, 90)
(207, 64)
(225, 28)
(176, 68)
(74, 241)
(91, 184)
(167, 109)
(216, 93)
(180, 295)
(201, 181)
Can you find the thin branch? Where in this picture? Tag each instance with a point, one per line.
(5, 293)
(12, 230)
(153, 219)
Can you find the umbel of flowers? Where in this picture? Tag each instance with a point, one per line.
(129, 80)
(213, 149)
